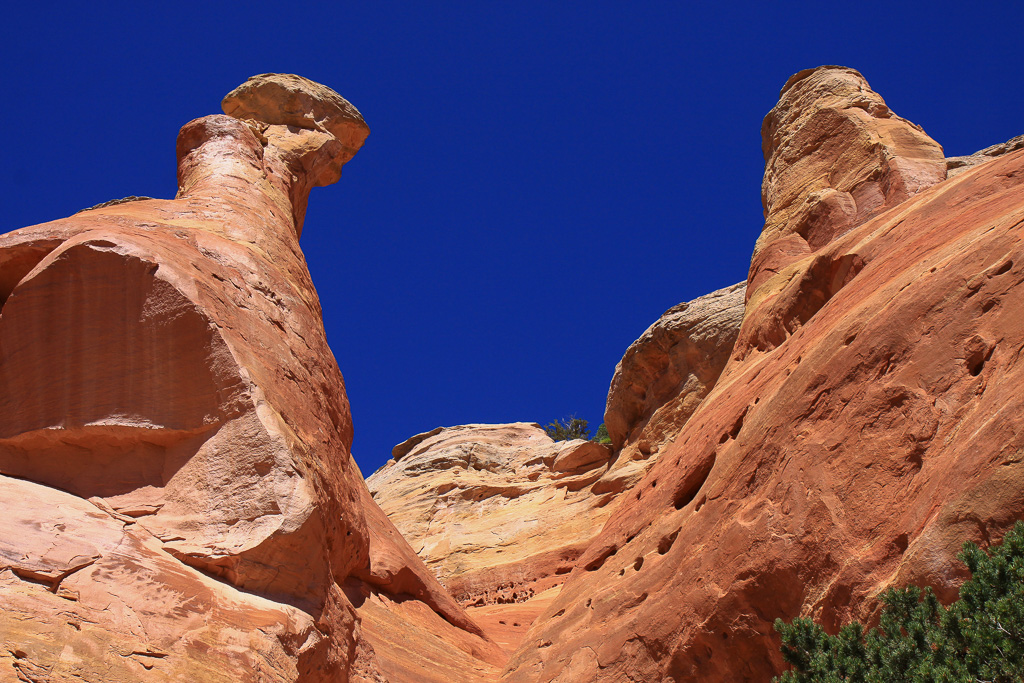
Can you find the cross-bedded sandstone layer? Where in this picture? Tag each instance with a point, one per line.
(499, 513)
(180, 502)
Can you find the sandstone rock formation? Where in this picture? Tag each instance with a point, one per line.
(178, 494)
(663, 377)
(179, 503)
(498, 512)
(868, 423)
(501, 512)
(835, 155)
(957, 165)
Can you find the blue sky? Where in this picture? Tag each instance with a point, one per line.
(541, 182)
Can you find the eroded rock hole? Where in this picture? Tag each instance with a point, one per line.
(976, 361)
(691, 484)
(666, 543)
(603, 556)
(737, 426)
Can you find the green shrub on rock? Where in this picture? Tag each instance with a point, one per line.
(568, 428)
(980, 637)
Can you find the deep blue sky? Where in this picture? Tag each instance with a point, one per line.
(542, 179)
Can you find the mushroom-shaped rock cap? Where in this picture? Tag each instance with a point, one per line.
(290, 100)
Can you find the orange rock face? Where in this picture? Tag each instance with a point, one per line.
(868, 423)
(174, 431)
(500, 513)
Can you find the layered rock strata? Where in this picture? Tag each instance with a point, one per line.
(174, 434)
(498, 512)
(868, 423)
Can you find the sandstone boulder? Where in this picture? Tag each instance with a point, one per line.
(667, 372)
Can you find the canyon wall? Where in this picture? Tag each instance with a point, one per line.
(500, 513)
(179, 501)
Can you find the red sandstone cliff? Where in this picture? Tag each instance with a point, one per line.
(179, 502)
(868, 422)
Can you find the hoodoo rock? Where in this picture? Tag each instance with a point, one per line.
(179, 502)
(868, 423)
(835, 155)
